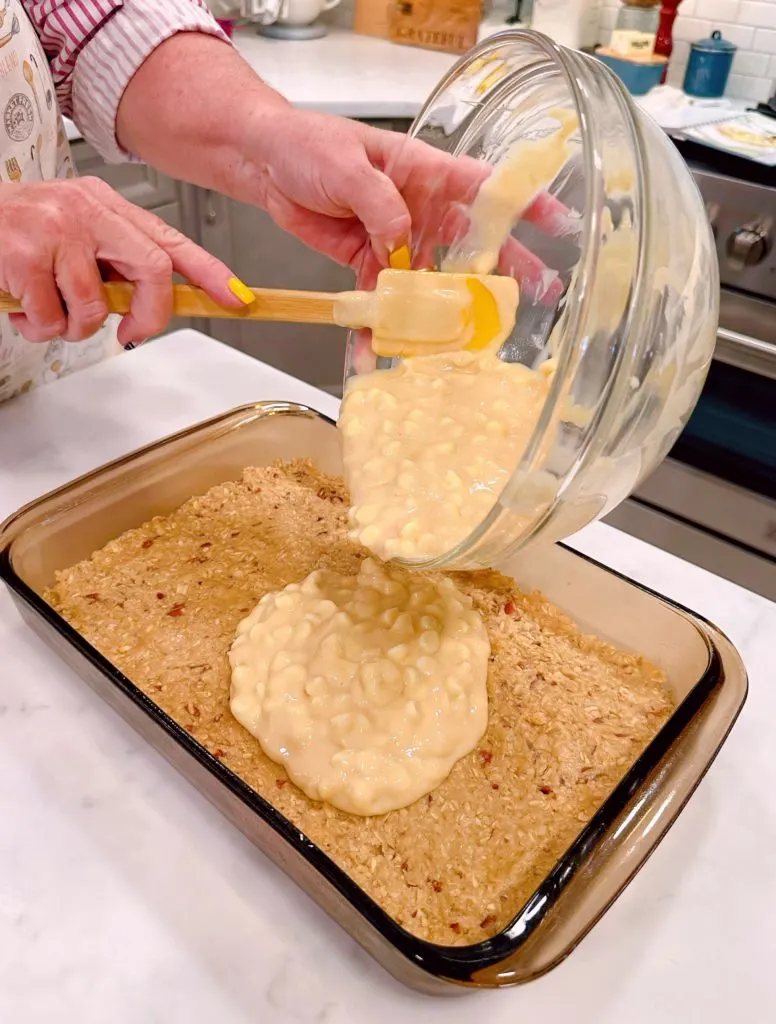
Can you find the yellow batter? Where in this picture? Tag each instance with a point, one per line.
(429, 444)
(367, 688)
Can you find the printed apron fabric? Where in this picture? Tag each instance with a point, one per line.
(34, 147)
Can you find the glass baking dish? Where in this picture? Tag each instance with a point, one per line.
(703, 668)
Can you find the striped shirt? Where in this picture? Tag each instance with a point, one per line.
(94, 47)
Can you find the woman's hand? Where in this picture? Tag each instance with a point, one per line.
(58, 238)
(348, 190)
(356, 193)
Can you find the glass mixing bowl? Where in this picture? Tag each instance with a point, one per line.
(632, 321)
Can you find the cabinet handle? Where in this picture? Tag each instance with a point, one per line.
(745, 352)
(210, 212)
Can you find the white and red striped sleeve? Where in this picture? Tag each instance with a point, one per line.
(94, 47)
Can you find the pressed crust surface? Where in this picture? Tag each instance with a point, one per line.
(569, 714)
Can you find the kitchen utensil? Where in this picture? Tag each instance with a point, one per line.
(36, 155)
(13, 170)
(14, 30)
(664, 40)
(49, 94)
(709, 66)
(461, 310)
(29, 78)
(636, 27)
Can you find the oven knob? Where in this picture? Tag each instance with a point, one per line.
(747, 246)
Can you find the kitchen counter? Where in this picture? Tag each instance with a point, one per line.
(346, 73)
(125, 898)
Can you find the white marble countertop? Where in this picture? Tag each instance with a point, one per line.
(125, 898)
(346, 73)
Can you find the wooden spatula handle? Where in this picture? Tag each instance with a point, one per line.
(270, 304)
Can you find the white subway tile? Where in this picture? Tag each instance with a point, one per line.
(758, 14)
(690, 7)
(735, 84)
(747, 63)
(608, 18)
(718, 10)
(741, 35)
(746, 88)
(765, 41)
(691, 29)
(772, 69)
(762, 89)
(681, 51)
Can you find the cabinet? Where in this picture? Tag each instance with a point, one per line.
(262, 255)
(138, 183)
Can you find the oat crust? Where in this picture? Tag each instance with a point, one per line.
(569, 714)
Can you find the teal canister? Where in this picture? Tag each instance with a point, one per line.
(709, 66)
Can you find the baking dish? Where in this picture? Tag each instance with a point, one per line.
(703, 668)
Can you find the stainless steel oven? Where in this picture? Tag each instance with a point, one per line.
(713, 501)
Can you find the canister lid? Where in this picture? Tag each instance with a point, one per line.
(715, 44)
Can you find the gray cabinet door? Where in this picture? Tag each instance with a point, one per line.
(264, 256)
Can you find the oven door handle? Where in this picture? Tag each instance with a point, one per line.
(746, 353)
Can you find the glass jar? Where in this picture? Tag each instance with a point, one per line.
(635, 30)
(633, 331)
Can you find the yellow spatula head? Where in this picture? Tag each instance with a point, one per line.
(426, 312)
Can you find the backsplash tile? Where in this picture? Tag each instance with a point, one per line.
(750, 24)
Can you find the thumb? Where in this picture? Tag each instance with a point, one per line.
(379, 205)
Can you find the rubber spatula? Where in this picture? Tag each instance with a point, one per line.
(409, 313)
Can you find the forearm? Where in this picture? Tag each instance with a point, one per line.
(192, 108)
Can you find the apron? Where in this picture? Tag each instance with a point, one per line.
(34, 147)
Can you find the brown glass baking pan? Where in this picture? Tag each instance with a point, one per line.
(703, 668)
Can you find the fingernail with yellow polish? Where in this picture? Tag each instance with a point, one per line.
(401, 259)
(242, 291)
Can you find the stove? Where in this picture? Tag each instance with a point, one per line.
(713, 500)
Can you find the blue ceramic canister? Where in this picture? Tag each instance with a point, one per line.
(709, 66)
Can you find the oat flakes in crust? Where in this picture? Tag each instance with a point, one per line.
(569, 714)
